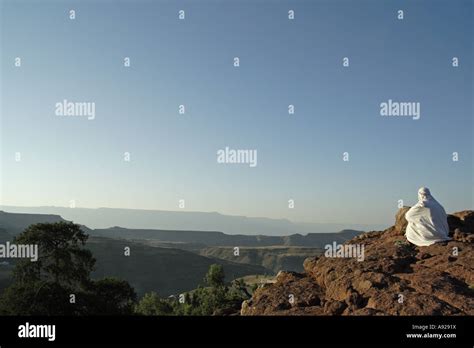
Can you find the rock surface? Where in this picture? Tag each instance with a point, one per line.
(395, 278)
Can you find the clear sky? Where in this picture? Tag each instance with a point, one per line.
(282, 62)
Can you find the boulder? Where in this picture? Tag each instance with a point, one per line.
(400, 221)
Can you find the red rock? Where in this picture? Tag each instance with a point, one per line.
(395, 278)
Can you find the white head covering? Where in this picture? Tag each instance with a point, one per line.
(424, 195)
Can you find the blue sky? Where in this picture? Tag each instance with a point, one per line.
(282, 62)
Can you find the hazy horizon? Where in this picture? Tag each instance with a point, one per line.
(176, 211)
(138, 219)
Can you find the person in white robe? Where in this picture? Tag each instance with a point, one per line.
(427, 221)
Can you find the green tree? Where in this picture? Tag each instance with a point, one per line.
(37, 298)
(152, 304)
(215, 276)
(111, 296)
(62, 258)
(217, 298)
(45, 286)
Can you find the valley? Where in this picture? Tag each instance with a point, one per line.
(170, 262)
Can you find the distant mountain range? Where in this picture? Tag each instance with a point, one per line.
(210, 238)
(14, 223)
(102, 218)
(170, 261)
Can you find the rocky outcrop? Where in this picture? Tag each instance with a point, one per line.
(394, 278)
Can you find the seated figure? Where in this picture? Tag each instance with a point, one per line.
(427, 220)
